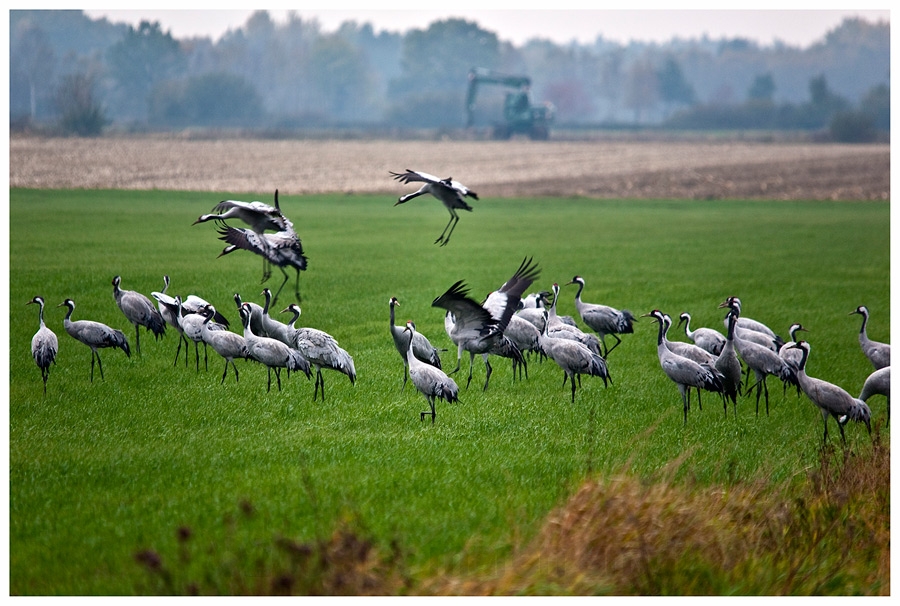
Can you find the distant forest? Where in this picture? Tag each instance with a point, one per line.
(70, 74)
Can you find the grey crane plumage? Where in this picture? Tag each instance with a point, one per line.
(762, 361)
(256, 315)
(831, 399)
(272, 353)
(879, 354)
(729, 366)
(169, 310)
(707, 338)
(687, 350)
(603, 319)
(562, 330)
(790, 354)
(752, 325)
(423, 350)
(44, 344)
(452, 195)
(227, 344)
(574, 358)
(282, 249)
(878, 383)
(476, 328)
(321, 350)
(95, 335)
(685, 373)
(139, 310)
(431, 382)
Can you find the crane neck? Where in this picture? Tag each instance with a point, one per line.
(580, 288)
(392, 314)
(732, 321)
(865, 320)
(662, 332)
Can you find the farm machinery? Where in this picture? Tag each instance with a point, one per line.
(520, 116)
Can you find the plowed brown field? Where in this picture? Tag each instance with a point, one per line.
(602, 169)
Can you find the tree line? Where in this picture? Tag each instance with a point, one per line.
(79, 75)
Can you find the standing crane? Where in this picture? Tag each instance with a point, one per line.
(170, 312)
(729, 366)
(430, 381)
(879, 354)
(452, 195)
(271, 352)
(139, 310)
(321, 350)
(44, 344)
(423, 350)
(831, 399)
(227, 344)
(761, 360)
(709, 339)
(685, 373)
(95, 335)
(477, 328)
(603, 319)
(574, 358)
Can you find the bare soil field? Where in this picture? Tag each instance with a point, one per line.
(599, 169)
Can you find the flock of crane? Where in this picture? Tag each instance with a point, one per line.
(508, 323)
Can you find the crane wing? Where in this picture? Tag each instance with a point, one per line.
(244, 238)
(415, 175)
(503, 303)
(468, 314)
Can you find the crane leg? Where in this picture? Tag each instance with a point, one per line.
(275, 298)
(225, 372)
(685, 397)
(699, 401)
(405, 378)
(471, 365)
(205, 358)
(100, 364)
(269, 374)
(607, 351)
(573, 389)
(487, 366)
(319, 381)
(278, 377)
(451, 224)
(197, 355)
(137, 337)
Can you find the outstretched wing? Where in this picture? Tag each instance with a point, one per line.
(503, 303)
(414, 175)
(243, 238)
(468, 314)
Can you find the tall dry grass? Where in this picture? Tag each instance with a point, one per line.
(627, 536)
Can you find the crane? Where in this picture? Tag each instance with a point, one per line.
(709, 339)
(603, 319)
(685, 373)
(762, 361)
(729, 366)
(321, 350)
(169, 310)
(227, 344)
(879, 354)
(259, 216)
(423, 350)
(574, 358)
(879, 382)
(44, 344)
(271, 352)
(431, 382)
(476, 328)
(831, 399)
(139, 310)
(95, 335)
(452, 195)
(282, 249)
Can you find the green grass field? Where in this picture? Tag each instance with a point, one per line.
(102, 471)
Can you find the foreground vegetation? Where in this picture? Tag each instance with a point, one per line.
(160, 480)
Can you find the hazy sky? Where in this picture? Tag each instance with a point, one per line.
(795, 27)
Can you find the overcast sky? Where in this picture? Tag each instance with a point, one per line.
(795, 27)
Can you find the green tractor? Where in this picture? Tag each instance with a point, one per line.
(520, 116)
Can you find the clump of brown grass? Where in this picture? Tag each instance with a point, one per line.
(344, 563)
(627, 536)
